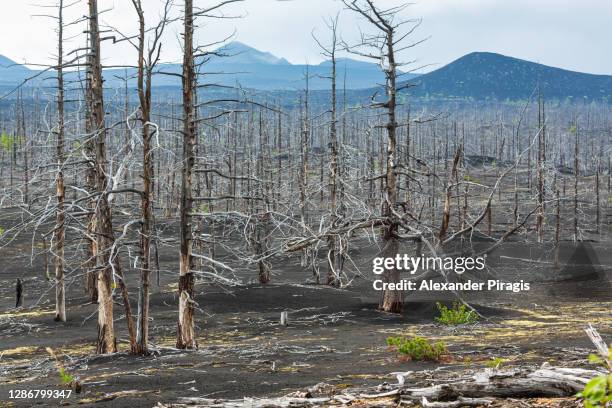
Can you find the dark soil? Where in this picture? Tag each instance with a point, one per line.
(335, 335)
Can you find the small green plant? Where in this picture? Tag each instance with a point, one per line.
(596, 359)
(418, 348)
(457, 314)
(65, 378)
(597, 393)
(496, 362)
(7, 142)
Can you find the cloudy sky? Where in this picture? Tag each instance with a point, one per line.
(571, 34)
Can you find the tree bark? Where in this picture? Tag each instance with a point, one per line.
(58, 250)
(392, 299)
(186, 327)
(105, 265)
(144, 95)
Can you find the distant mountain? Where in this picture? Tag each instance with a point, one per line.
(485, 75)
(238, 53)
(12, 73)
(237, 64)
(251, 68)
(477, 76)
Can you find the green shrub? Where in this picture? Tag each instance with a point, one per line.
(418, 348)
(457, 314)
(395, 341)
(597, 393)
(6, 142)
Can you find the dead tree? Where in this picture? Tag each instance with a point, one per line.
(145, 75)
(186, 336)
(334, 253)
(107, 342)
(18, 294)
(59, 232)
(23, 138)
(303, 174)
(107, 263)
(576, 174)
(557, 224)
(540, 163)
(452, 177)
(91, 282)
(382, 46)
(186, 327)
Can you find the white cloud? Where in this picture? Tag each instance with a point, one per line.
(572, 34)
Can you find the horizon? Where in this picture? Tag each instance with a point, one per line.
(453, 30)
(343, 57)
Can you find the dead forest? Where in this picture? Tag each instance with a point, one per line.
(112, 197)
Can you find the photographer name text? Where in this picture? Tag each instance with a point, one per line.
(458, 265)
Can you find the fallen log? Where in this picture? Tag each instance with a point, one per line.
(513, 383)
(476, 390)
(282, 402)
(460, 402)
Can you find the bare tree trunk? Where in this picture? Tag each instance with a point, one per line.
(186, 327)
(334, 257)
(447, 201)
(386, 22)
(597, 198)
(392, 299)
(144, 95)
(105, 264)
(489, 219)
(304, 147)
(557, 225)
(26, 152)
(18, 294)
(91, 284)
(540, 169)
(58, 250)
(107, 343)
(576, 172)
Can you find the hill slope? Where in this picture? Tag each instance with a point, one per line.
(484, 75)
(251, 68)
(12, 73)
(477, 76)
